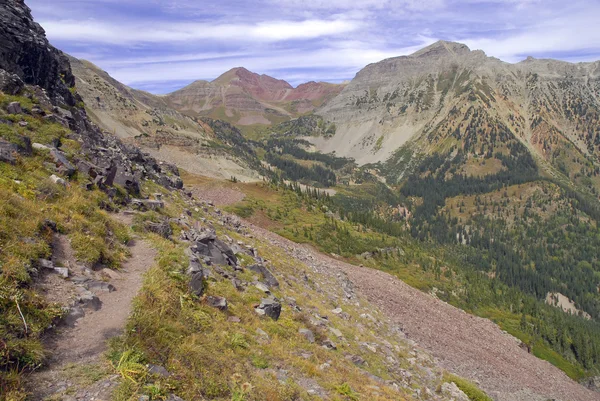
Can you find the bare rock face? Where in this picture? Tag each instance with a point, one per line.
(28, 60)
(25, 51)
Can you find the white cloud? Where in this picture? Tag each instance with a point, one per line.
(340, 63)
(571, 33)
(157, 32)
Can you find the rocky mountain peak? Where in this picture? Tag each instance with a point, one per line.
(442, 48)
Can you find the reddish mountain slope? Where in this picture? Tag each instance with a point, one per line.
(246, 98)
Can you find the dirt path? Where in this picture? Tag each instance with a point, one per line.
(80, 347)
(467, 345)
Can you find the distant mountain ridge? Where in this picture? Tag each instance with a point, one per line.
(552, 107)
(245, 98)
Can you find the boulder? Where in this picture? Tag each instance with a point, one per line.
(63, 271)
(197, 283)
(226, 251)
(309, 335)
(217, 302)
(194, 267)
(8, 152)
(75, 313)
(14, 108)
(64, 166)
(162, 228)
(262, 287)
(270, 307)
(147, 204)
(269, 278)
(89, 300)
(39, 146)
(45, 264)
(357, 360)
(158, 370)
(94, 285)
(57, 180)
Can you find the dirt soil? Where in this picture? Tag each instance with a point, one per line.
(84, 344)
(466, 345)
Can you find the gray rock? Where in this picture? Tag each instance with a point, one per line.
(270, 307)
(10, 84)
(198, 284)
(45, 264)
(336, 332)
(162, 228)
(75, 313)
(89, 301)
(309, 335)
(266, 273)
(357, 360)
(39, 146)
(452, 391)
(63, 271)
(158, 370)
(262, 287)
(14, 108)
(237, 283)
(57, 180)
(64, 166)
(94, 285)
(217, 302)
(147, 204)
(194, 267)
(8, 152)
(329, 344)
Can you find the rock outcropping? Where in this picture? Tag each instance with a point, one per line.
(29, 64)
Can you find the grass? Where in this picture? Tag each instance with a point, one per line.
(28, 200)
(211, 357)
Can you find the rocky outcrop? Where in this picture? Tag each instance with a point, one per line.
(29, 63)
(25, 52)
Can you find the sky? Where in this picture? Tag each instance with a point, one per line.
(163, 45)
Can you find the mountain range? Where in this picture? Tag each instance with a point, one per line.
(246, 98)
(429, 230)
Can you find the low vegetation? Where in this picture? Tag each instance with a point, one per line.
(32, 208)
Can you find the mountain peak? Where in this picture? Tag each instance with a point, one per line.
(442, 47)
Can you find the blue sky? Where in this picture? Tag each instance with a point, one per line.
(162, 45)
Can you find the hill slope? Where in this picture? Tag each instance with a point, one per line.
(148, 121)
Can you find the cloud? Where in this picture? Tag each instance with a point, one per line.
(164, 43)
(156, 32)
